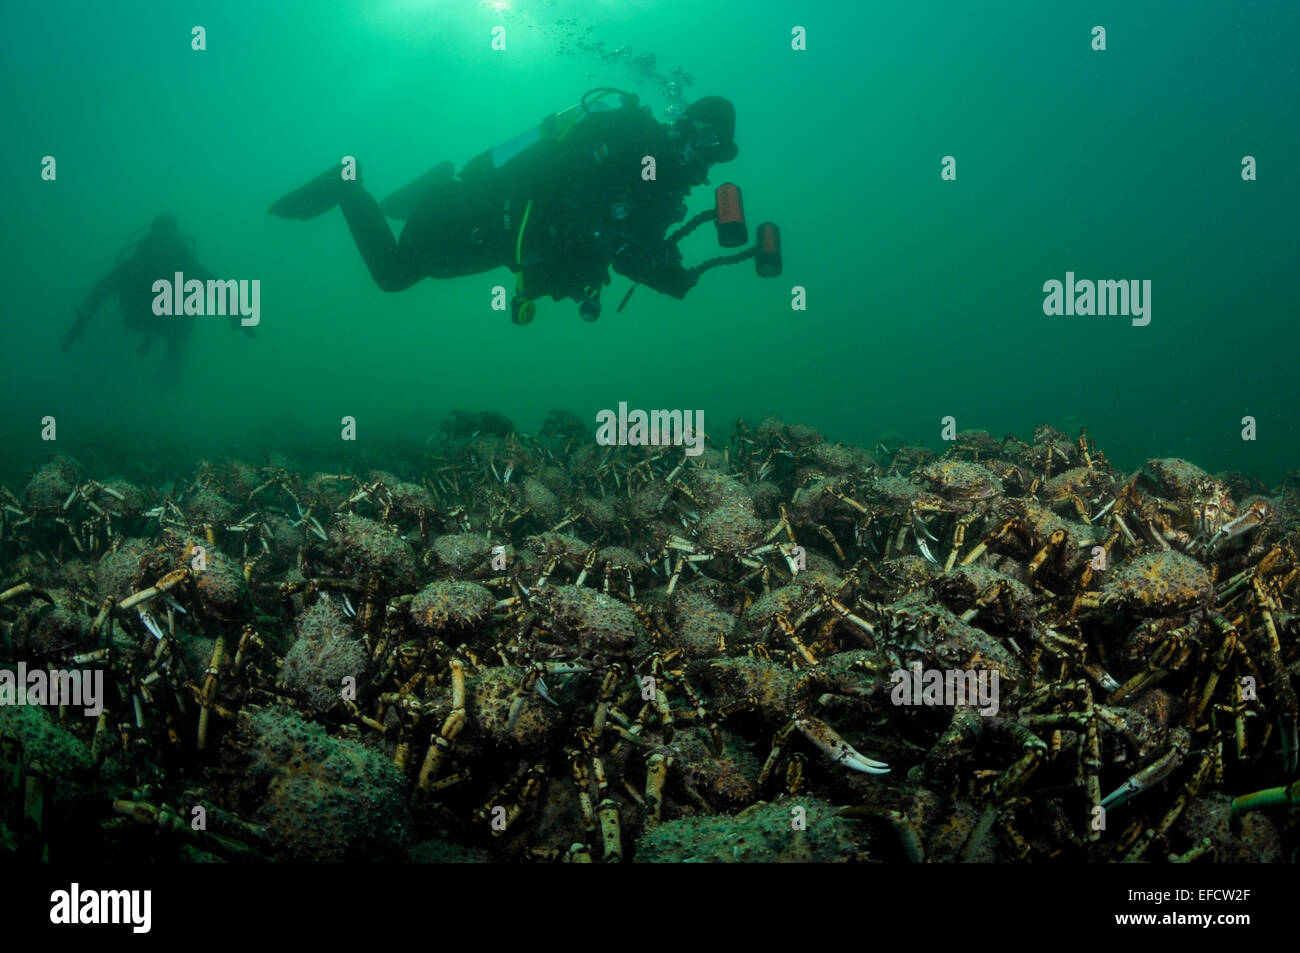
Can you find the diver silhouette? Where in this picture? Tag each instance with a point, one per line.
(159, 254)
(558, 205)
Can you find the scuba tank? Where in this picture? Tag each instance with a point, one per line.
(515, 152)
(552, 128)
(141, 235)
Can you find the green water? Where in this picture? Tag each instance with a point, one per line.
(924, 296)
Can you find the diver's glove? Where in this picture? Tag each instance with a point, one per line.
(671, 277)
(677, 281)
(661, 269)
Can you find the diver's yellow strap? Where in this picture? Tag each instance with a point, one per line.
(522, 308)
(523, 304)
(519, 241)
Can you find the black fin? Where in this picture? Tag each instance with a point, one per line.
(315, 198)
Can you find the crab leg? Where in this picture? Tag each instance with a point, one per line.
(1288, 796)
(836, 748)
(161, 586)
(1251, 519)
(1152, 774)
(440, 743)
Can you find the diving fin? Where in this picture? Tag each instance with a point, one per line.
(315, 198)
(402, 203)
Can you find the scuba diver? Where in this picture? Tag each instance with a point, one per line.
(159, 254)
(559, 205)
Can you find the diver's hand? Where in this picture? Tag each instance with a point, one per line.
(682, 282)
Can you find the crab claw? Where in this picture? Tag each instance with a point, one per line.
(1247, 522)
(150, 623)
(541, 690)
(1151, 775)
(1123, 793)
(836, 748)
(919, 527)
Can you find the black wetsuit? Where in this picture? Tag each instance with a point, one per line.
(155, 257)
(591, 209)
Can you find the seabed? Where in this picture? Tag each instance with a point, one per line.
(510, 647)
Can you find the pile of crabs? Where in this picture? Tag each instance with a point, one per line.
(502, 646)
